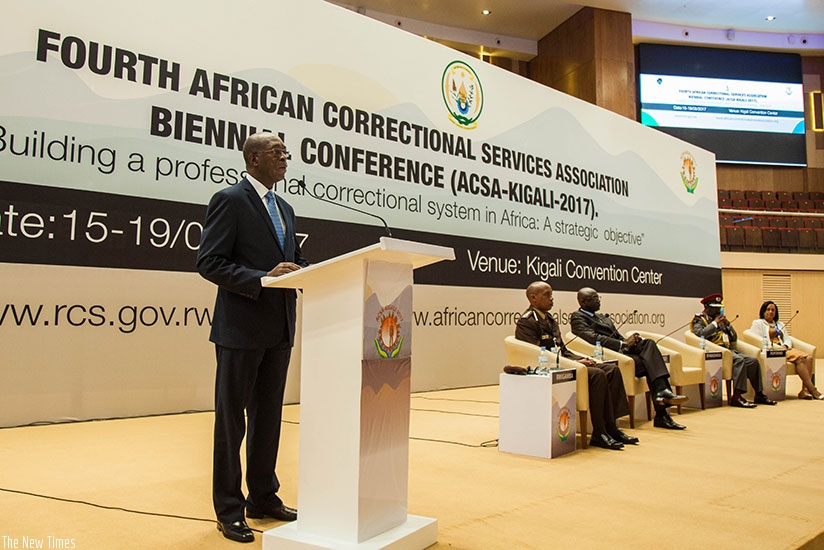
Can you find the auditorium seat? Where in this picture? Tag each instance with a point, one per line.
(795, 221)
(817, 195)
(806, 205)
(724, 202)
(784, 195)
(724, 219)
(752, 239)
(737, 194)
(740, 204)
(735, 238)
(751, 194)
(756, 204)
(778, 221)
(819, 238)
(818, 205)
(801, 195)
(760, 221)
(770, 239)
(789, 239)
(772, 204)
(722, 236)
(813, 223)
(723, 194)
(806, 239)
(524, 354)
(789, 205)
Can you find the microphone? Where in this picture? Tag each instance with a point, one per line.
(791, 318)
(560, 348)
(674, 331)
(615, 332)
(303, 186)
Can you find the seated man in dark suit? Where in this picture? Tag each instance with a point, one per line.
(592, 327)
(713, 325)
(607, 399)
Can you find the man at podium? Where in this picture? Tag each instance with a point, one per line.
(249, 233)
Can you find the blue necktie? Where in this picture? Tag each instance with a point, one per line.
(273, 214)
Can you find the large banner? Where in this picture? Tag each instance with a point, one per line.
(119, 121)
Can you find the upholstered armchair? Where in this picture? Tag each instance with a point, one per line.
(754, 339)
(686, 364)
(632, 385)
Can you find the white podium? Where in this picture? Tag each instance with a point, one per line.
(713, 392)
(774, 373)
(354, 401)
(537, 414)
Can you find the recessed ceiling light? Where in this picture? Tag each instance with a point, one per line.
(486, 12)
(770, 18)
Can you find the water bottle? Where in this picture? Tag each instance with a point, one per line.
(765, 343)
(703, 345)
(598, 353)
(543, 358)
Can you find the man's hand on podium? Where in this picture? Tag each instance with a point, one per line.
(282, 269)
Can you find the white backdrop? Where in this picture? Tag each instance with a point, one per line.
(119, 121)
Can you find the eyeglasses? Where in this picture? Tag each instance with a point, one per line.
(278, 152)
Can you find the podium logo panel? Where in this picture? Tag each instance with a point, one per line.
(389, 340)
(387, 312)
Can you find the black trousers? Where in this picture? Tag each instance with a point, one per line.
(250, 381)
(745, 367)
(607, 397)
(648, 361)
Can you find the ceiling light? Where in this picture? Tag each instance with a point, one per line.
(486, 12)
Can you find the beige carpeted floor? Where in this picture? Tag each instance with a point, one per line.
(734, 479)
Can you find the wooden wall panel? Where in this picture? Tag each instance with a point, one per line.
(590, 56)
(743, 296)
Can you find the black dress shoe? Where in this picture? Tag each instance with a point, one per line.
(762, 399)
(666, 421)
(280, 512)
(237, 531)
(605, 441)
(738, 401)
(621, 437)
(669, 397)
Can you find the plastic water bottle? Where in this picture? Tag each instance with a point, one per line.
(765, 343)
(598, 352)
(543, 358)
(703, 345)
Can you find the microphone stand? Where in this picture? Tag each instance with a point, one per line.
(615, 329)
(791, 318)
(303, 186)
(674, 331)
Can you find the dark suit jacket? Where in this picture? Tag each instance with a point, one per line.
(238, 247)
(596, 328)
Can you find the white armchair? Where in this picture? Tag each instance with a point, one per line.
(524, 354)
(754, 339)
(686, 366)
(626, 365)
(726, 357)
